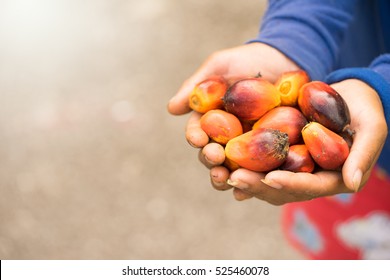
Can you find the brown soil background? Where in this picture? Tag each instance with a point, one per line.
(91, 164)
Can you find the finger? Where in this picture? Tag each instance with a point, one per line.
(250, 183)
(371, 131)
(179, 104)
(241, 195)
(212, 154)
(364, 153)
(306, 185)
(219, 176)
(245, 179)
(194, 133)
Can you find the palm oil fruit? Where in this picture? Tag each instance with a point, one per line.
(319, 102)
(220, 125)
(294, 124)
(298, 159)
(251, 98)
(328, 149)
(231, 165)
(260, 150)
(207, 95)
(286, 119)
(348, 135)
(289, 84)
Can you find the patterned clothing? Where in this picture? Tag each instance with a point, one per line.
(345, 226)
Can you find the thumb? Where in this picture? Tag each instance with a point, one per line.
(368, 121)
(179, 104)
(364, 153)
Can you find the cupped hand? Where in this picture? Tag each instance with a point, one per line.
(280, 187)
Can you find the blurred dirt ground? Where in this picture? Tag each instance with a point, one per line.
(91, 164)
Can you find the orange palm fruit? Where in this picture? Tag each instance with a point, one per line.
(220, 125)
(298, 160)
(261, 150)
(289, 84)
(207, 95)
(286, 119)
(328, 149)
(251, 98)
(231, 165)
(319, 102)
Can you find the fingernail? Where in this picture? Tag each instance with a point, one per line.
(216, 181)
(357, 179)
(191, 139)
(192, 144)
(237, 184)
(208, 160)
(232, 183)
(219, 184)
(271, 183)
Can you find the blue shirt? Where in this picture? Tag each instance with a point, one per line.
(333, 41)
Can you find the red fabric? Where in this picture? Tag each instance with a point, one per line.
(347, 226)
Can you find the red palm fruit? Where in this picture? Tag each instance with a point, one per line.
(319, 102)
(298, 160)
(207, 95)
(261, 150)
(328, 149)
(289, 84)
(286, 119)
(220, 125)
(251, 98)
(348, 134)
(247, 125)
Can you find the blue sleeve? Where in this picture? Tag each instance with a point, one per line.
(377, 75)
(309, 32)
